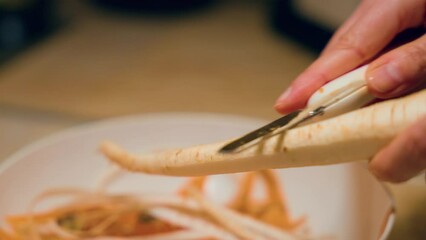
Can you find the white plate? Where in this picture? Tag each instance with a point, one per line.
(342, 200)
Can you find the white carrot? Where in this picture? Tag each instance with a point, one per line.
(357, 135)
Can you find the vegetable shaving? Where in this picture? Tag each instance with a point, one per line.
(188, 214)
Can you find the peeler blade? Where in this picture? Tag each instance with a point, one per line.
(260, 132)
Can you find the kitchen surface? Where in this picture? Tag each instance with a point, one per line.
(98, 62)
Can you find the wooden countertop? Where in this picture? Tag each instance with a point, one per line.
(225, 59)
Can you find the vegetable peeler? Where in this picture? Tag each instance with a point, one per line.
(344, 94)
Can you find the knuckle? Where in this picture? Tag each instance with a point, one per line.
(416, 52)
(348, 43)
(409, 61)
(417, 62)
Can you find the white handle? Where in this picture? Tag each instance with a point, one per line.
(340, 84)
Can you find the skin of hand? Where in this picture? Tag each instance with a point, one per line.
(362, 38)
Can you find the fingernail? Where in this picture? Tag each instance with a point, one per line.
(285, 95)
(385, 79)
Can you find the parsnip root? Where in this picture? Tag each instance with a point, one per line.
(354, 136)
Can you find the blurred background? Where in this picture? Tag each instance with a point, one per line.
(68, 62)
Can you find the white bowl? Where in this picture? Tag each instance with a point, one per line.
(342, 200)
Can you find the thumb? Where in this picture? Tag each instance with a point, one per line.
(398, 71)
(404, 157)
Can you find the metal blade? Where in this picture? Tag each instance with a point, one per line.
(280, 122)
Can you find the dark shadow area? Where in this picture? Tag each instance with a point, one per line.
(285, 20)
(163, 8)
(24, 23)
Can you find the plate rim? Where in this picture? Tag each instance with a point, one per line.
(105, 123)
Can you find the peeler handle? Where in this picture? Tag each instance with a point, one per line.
(354, 80)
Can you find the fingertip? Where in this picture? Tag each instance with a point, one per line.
(290, 104)
(283, 102)
(323, 70)
(383, 172)
(291, 100)
(282, 108)
(285, 95)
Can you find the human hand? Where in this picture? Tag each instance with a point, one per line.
(371, 28)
